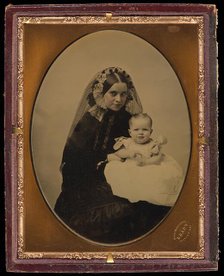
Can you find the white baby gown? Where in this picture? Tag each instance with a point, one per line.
(156, 183)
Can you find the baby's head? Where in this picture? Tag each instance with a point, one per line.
(140, 128)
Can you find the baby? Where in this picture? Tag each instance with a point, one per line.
(140, 146)
(145, 173)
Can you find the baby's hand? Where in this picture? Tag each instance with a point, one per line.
(155, 150)
(132, 155)
(139, 159)
(156, 159)
(114, 157)
(140, 163)
(137, 156)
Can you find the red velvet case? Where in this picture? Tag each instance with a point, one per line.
(187, 239)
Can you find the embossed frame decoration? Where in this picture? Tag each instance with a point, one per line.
(23, 253)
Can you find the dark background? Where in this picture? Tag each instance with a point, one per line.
(220, 34)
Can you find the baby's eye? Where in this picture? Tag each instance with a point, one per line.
(145, 129)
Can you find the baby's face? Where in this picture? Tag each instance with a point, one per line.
(140, 130)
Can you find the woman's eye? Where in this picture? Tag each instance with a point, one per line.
(123, 94)
(113, 93)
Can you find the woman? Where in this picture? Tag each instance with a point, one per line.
(86, 203)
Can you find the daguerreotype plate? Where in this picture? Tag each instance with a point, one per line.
(108, 138)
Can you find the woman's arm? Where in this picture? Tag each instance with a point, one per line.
(80, 160)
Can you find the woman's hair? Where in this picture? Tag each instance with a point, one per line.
(105, 80)
(142, 116)
(114, 76)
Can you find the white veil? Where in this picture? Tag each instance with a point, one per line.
(93, 101)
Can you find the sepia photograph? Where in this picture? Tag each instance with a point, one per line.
(111, 138)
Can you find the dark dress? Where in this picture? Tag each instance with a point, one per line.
(86, 203)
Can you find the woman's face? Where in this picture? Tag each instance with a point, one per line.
(116, 97)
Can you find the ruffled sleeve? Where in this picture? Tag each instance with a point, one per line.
(121, 142)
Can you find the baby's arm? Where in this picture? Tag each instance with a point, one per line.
(154, 159)
(119, 155)
(123, 153)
